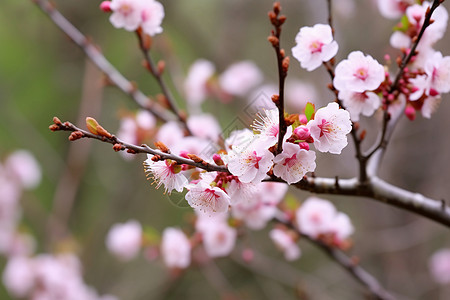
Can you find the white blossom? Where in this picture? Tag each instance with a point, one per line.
(293, 163)
(207, 198)
(124, 240)
(175, 248)
(358, 73)
(359, 103)
(329, 128)
(314, 46)
(166, 172)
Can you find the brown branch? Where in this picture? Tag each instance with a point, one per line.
(384, 136)
(119, 145)
(157, 74)
(95, 55)
(349, 264)
(277, 21)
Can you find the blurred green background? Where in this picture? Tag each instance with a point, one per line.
(43, 74)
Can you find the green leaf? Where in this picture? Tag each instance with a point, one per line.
(310, 109)
(403, 25)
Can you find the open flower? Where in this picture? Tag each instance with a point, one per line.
(360, 103)
(358, 73)
(207, 198)
(166, 172)
(267, 127)
(175, 248)
(285, 243)
(251, 163)
(329, 128)
(314, 46)
(293, 163)
(124, 240)
(195, 85)
(437, 68)
(152, 15)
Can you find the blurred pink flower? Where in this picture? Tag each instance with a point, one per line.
(175, 248)
(124, 240)
(239, 78)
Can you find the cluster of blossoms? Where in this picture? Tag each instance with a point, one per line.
(29, 276)
(134, 14)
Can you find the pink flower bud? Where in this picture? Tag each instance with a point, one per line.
(302, 132)
(217, 159)
(184, 154)
(304, 145)
(433, 92)
(248, 255)
(105, 6)
(410, 112)
(302, 119)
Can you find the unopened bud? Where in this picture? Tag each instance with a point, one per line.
(362, 135)
(410, 112)
(275, 98)
(218, 160)
(433, 92)
(118, 147)
(161, 67)
(160, 145)
(277, 7)
(76, 135)
(248, 255)
(195, 158)
(285, 64)
(302, 132)
(304, 145)
(53, 127)
(57, 121)
(105, 6)
(302, 119)
(273, 40)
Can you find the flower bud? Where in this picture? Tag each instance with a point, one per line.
(105, 6)
(410, 112)
(302, 132)
(304, 145)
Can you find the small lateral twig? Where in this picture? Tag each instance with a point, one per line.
(95, 55)
(277, 21)
(384, 138)
(119, 145)
(351, 265)
(157, 72)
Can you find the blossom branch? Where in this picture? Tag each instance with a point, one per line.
(119, 145)
(277, 21)
(157, 72)
(350, 264)
(95, 55)
(384, 136)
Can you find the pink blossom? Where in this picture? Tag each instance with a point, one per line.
(302, 133)
(329, 128)
(152, 15)
(240, 139)
(430, 106)
(285, 243)
(18, 276)
(193, 145)
(240, 78)
(219, 239)
(204, 126)
(126, 14)
(262, 207)
(314, 46)
(145, 120)
(341, 227)
(175, 248)
(267, 127)
(166, 172)
(421, 85)
(293, 163)
(195, 85)
(240, 192)
(125, 239)
(437, 69)
(360, 103)
(170, 133)
(315, 216)
(358, 73)
(393, 9)
(23, 167)
(439, 265)
(207, 198)
(251, 163)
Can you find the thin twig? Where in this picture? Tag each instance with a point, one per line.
(95, 55)
(157, 74)
(120, 145)
(277, 21)
(375, 188)
(384, 137)
(350, 265)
